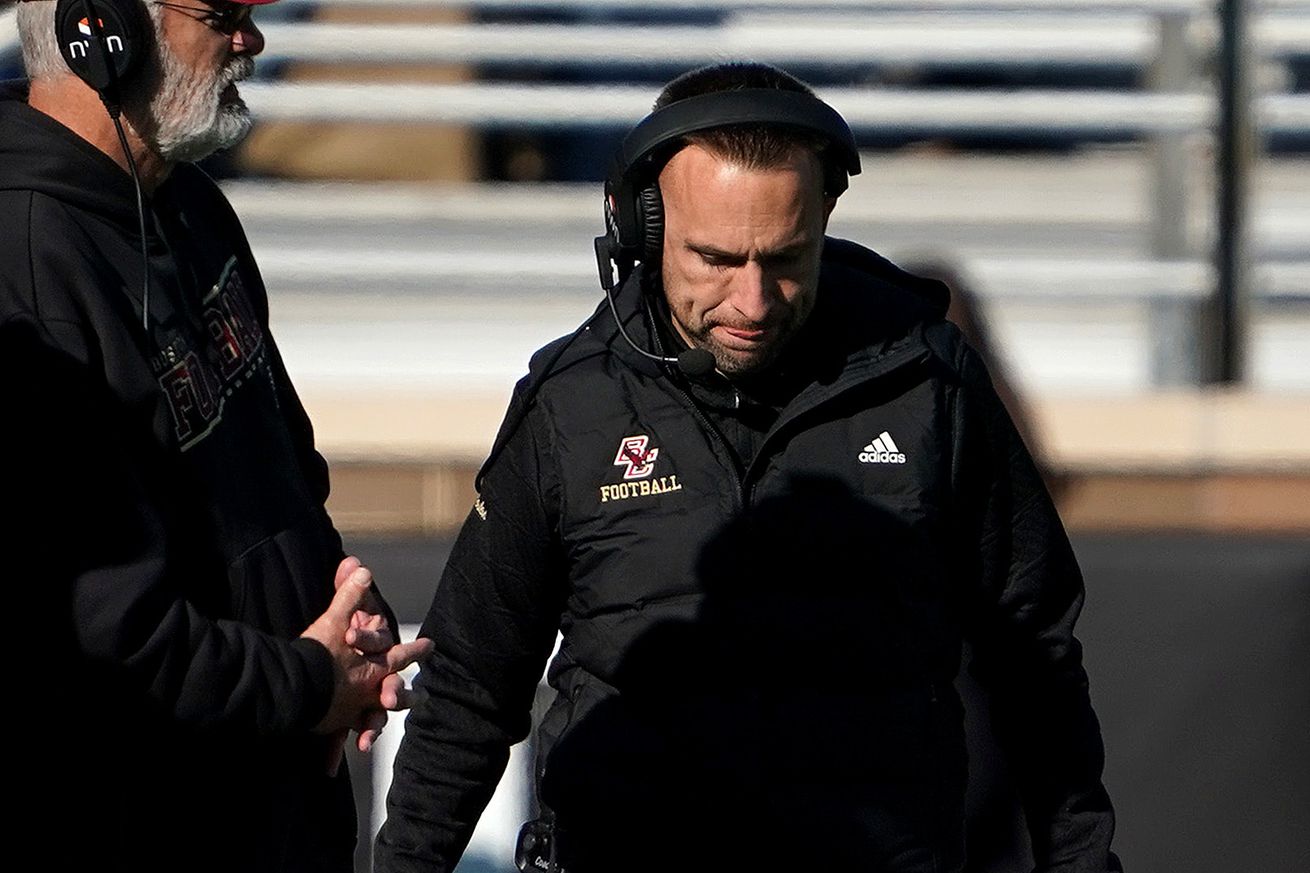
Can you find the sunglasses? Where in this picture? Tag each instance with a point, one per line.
(226, 18)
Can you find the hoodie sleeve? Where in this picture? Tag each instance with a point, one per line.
(1028, 595)
(494, 619)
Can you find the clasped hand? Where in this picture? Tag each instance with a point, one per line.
(367, 659)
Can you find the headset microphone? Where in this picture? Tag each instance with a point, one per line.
(695, 362)
(692, 362)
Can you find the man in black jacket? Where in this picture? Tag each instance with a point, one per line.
(762, 560)
(174, 561)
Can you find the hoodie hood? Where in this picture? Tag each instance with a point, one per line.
(40, 154)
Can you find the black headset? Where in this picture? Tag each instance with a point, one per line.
(103, 43)
(634, 210)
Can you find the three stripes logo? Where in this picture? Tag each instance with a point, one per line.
(882, 450)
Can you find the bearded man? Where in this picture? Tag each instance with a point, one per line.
(177, 561)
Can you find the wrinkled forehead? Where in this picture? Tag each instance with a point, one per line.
(721, 202)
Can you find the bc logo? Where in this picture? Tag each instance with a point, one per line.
(633, 454)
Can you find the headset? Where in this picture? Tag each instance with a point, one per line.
(103, 42)
(634, 210)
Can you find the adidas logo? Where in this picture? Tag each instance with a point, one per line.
(882, 450)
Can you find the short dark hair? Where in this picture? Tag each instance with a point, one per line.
(753, 146)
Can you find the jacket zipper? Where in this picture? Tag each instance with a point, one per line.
(892, 363)
(725, 451)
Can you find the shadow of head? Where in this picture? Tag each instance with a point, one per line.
(787, 708)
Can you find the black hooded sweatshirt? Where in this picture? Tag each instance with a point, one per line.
(167, 523)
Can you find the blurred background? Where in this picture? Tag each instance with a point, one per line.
(1120, 189)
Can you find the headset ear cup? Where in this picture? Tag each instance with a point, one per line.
(835, 179)
(125, 25)
(651, 232)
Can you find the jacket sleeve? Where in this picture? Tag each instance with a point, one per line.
(493, 620)
(90, 548)
(1028, 595)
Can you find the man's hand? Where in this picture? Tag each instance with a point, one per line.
(366, 659)
(371, 635)
(369, 630)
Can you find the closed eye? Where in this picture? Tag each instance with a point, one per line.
(720, 260)
(783, 259)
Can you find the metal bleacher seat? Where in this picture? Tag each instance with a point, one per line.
(586, 68)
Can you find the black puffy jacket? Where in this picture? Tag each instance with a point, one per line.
(757, 666)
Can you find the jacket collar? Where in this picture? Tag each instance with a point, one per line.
(867, 308)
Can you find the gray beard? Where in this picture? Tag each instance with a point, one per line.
(189, 118)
